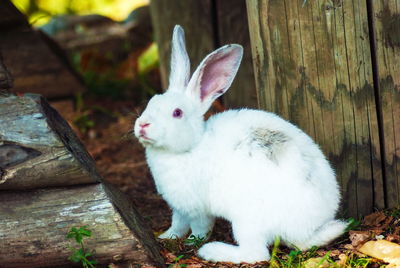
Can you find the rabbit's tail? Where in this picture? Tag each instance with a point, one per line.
(324, 234)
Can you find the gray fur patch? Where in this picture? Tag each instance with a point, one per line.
(270, 141)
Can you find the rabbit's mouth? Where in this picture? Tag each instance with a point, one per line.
(145, 140)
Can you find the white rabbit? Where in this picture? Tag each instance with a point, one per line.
(251, 167)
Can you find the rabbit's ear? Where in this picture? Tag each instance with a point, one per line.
(180, 64)
(215, 74)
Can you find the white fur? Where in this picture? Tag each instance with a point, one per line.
(180, 64)
(284, 188)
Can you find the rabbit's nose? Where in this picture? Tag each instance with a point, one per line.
(144, 125)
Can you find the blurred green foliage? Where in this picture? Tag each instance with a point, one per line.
(147, 62)
(40, 11)
(109, 84)
(118, 74)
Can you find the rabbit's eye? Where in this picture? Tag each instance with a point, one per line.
(177, 113)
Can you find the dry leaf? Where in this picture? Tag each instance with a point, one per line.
(358, 237)
(348, 246)
(342, 260)
(383, 250)
(192, 260)
(387, 222)
(194, 265)
(321, 252)
(397, 230)
(168, 256)
(393, 238)
(374, 219)
(335, 253)
(376, 231)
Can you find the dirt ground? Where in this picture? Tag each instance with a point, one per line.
(120, 159)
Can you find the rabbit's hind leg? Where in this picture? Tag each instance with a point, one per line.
(252, 247)
(323, 235)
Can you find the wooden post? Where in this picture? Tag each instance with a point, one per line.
(208, 25)
(385, 17)
(312, 61)
(232, 27)
(196, 19)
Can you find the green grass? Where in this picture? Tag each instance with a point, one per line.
(84, 118)
(336, 255)
(395, 212)
(353, 224)
(148, 60)
(311, 258)
(194, 241)
(356, 261)
(176, 262)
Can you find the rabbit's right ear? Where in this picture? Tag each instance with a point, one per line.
(214, 75)
(180, 64)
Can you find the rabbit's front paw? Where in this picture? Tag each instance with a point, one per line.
(221, 252)
(171, 234)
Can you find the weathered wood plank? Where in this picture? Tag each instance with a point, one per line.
(34, 225)
(312, 65)
(196, 19)
(38, 148)
(233, 28)
(208, 25)
(362, 97)
(386, 18)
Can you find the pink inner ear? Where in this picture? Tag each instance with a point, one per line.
(217, 74)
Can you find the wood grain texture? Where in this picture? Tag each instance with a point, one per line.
(36, 64)
(208, 25)
(34, 225)
(386, 18)
(196, 19)
(233, 28)
(313, 67)
(38, 148)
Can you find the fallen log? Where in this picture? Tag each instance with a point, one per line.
(36, 62)
(79, 33)
(34, 225)
(38, 148)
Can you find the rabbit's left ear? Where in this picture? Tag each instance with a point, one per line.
(180, 64)
(215, 74)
